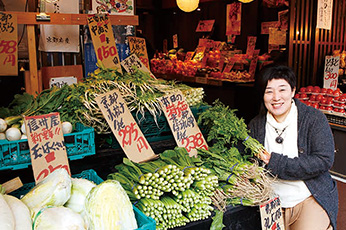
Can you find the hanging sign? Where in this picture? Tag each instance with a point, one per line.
(205, 25)
(46, 144)
(276, 36)
(324, 14)
(199, 53)
(229, 65)
(253, 64)
(61, 81)
(182, 123)
(131, 63)
(266, 25)
(189, 55)
(59, 38)
(271, 215)
(273, 47)
(251, 44)
(103, 40)
(175, 41)
(117, 7)
(8, 45)
(124, 127)
(331, 72)
(283, 19)
(233, 19)
(138, 47)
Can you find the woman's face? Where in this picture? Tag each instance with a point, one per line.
(278, 98)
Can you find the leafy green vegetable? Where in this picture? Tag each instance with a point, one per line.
(217, 223)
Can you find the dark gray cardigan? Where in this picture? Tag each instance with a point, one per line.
(316, 156)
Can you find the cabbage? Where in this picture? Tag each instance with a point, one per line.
(80, 189)
(54, 190)
(108, 207)
(58, 218)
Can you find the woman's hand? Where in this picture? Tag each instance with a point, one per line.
(265, 156)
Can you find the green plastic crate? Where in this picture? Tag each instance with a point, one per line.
(16, 154)
(144, 222)
(153, 131)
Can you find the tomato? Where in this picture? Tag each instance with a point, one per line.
(336, 110)
(329, 100)
(323, 101)
(302, 90)
(330, 91)
(316, 89)
(342, 98)
(329, 108)
(313, 97)
(319, 97)
(341, 111)
(309, 88)
(323, 91)
(315, 105)
(308, 103)
(336, 104)
(336, 93)
(296, 96)
(322, 107)
(303, 95)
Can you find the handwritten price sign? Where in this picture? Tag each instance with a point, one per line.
(8, 45)
(103, 41)
(271, 215)
(331, 72)
(46, 143)
(139, 47)
(182, 123)
(124, 127)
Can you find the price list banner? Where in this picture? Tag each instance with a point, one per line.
(46, 144)
(331, 72)
(131, 63)
(139, 47)
(8, 45)
(103, 40)
(124, 127)
(182, 123)
(271, 215)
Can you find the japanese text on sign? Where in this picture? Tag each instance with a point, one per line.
(271, 215)
(131, 63)
(331, 72)
(103, 41)
(124, 127)
(46, 143)
(182, 123)
(138, 47)
(8, 45)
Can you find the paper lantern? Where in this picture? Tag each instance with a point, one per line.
(187, 5)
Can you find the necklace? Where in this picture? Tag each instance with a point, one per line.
(279, 139)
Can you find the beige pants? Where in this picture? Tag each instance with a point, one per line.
(307, 215)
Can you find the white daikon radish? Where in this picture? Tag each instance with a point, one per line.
(3, 125)
(13, 134)
(7, 221)
(2, 136)
(23, 129)
(20, 213)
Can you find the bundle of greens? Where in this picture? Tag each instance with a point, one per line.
(226, 129)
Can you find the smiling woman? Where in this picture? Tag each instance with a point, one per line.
(300, 144)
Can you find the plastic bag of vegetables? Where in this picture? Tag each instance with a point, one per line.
(58, 218)
(109, 208)
(54, 190)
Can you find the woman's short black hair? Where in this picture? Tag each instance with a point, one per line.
(276, 72)
(270, 73)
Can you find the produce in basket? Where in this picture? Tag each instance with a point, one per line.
(54, 190)
(58, 218)
(107, 206)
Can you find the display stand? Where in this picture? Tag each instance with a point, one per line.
(33, 81)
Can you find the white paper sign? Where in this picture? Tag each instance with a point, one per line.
(60, 38)
(331, 72)
(324, 14)
(61, 81)
(117, 7)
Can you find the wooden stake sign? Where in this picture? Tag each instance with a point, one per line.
(175, 41)
(12, 185)
(253, 63)
(271, 215)
(46, 144)
(182, 123)
(8, 45)
(132, 62)
(139, 47)
(124, 127)
(103, 40)
(251, 44)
